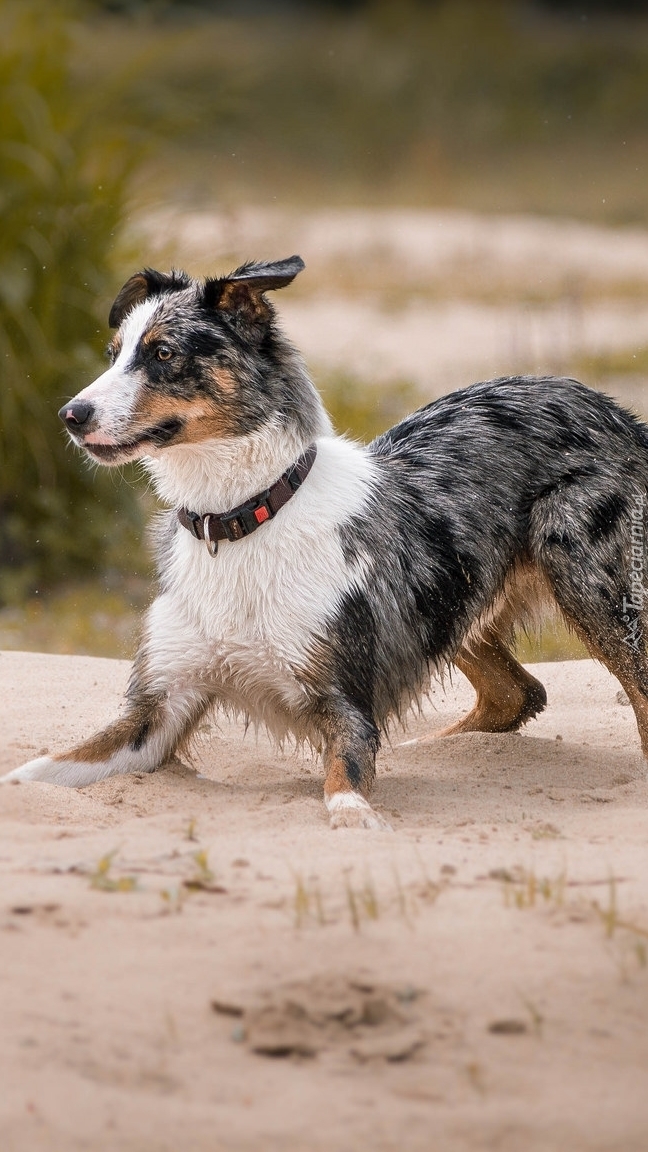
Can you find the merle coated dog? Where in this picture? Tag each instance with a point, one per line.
(314, 584)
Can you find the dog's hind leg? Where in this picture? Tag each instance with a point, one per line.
(165, 700)
(592, 550)
(507, 695)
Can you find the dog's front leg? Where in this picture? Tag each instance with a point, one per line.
(351, 742)
(166, 697)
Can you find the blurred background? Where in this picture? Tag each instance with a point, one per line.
(465, 179)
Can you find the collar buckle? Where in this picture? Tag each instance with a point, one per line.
(242, 521)
(234, 526)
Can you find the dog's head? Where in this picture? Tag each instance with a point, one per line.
(190, 361)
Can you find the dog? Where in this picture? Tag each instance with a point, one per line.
(313, 584)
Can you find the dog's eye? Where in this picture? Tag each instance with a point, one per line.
(163, 352)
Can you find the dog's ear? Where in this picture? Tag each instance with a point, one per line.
(243, 291)
(141, 286)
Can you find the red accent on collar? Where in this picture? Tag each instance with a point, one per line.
(242, 521)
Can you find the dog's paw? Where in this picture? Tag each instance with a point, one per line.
(69, 773)
(351, 810)
(39, 769)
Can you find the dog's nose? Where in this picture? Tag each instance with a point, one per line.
(75, 413)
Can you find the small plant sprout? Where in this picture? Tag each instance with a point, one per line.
(429, 890)
(475, 1074)
(369, 899)
(401, 898)
(204, 871)
(173, 900)
(302, 902)
(362, 902)
(203, 879)
(610, 915)
(409, 896)
(636, 935)
(537, 1019)
(352, 904)
(308, 903)
(102, 879)
(529, 890)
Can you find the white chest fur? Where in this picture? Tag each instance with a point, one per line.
(255, 608)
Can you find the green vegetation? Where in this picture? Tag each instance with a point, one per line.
(62, 189)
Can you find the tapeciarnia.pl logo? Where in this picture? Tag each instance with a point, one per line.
(633, 601)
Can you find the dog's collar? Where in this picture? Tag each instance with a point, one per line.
(214, 526)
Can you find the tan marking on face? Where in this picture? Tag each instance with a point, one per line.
(224, 380)
(115, 345)
(154, 335)
(203, 418)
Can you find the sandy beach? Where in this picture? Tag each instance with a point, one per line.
(193, 960)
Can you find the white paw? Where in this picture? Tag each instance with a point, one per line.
(69, 773)
(351, 810)
(34, 770)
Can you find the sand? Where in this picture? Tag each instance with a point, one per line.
(475, 979)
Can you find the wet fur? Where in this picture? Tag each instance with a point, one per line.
(394, 560)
